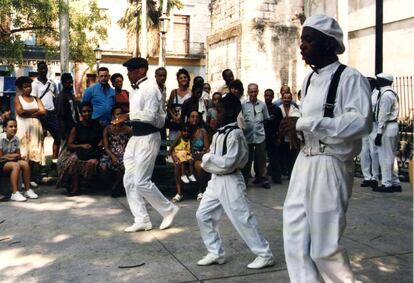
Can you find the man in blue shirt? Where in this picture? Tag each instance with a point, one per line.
(102, 97)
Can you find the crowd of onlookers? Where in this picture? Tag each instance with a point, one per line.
(88, 146)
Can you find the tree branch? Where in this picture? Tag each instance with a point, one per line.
(29, 28)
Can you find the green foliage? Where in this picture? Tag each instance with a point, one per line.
(131, 21)
(86, 30)
(19, 18)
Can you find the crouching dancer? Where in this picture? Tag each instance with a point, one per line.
(147, 118)
(226, 190)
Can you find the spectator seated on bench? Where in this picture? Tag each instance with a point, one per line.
(197, 145)
(115, 139)
(83, 152)
(11, 162)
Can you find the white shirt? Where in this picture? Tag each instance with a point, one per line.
(386, 108)
(254, 114)
(293, 111)
(145, 104)
(38, 88)
(352, 119)
(374, 98)
(237, 152)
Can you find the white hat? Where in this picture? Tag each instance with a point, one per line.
(328, 26)
(385, 76)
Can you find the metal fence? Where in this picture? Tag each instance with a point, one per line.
(405, 89)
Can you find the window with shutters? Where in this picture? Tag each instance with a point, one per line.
(181, 34)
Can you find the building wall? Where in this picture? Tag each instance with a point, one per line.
(199, 15)
(359, 28)
(117, 38)
(398, 36)
(258, 40)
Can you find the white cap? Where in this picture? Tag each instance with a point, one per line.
(328, 26)
(385, 76)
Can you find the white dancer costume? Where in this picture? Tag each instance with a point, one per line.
(321, 182)
(226, 192)
(369, 153)
(386, 113)
(141, 152)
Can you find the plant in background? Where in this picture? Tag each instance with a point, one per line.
(131, 21)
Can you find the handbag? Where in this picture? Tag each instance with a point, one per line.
(170, 123)
(87, 154)
(43, 119)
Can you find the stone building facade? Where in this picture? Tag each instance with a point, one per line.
(257, 39)
(357, 19)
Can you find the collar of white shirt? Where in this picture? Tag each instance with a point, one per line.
(227, 126)
(328, 68)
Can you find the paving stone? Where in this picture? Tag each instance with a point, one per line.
(81, 239)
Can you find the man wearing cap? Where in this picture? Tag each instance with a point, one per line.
(147, 118)
(386, 112)
(335, 114)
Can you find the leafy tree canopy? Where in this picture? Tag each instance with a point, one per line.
(22, 18)
(131, 21)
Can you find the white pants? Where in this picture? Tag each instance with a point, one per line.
(228, 194)
(369, 159)
(386, 155)
(139, 161)
(314, 219)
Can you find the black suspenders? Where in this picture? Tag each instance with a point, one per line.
(227, 130)
(376, 108)
(333, 87)
(330, 98)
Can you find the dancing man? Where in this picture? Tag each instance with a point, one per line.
(147, 118)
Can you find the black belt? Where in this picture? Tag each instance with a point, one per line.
(142, 129)
(230, 173)
(392, 121)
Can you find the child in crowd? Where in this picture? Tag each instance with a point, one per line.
(115, 139)
(11, 162)
(226, 191)
(180, 152)
(212, 112)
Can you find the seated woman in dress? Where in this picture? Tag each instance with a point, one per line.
(180, 152)
(84, 150)
(199, 146)
(29, 129)
(115, 139)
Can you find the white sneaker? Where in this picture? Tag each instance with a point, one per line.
(177, 198)
(210, 259)
(200, 196)
(30, 194)
(17, 196)
(138, 227)
(184, 178)
(260, 262)
(192, 178)
(33, 184)
(168, 220)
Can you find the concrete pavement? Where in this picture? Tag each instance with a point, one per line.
(81, 239)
